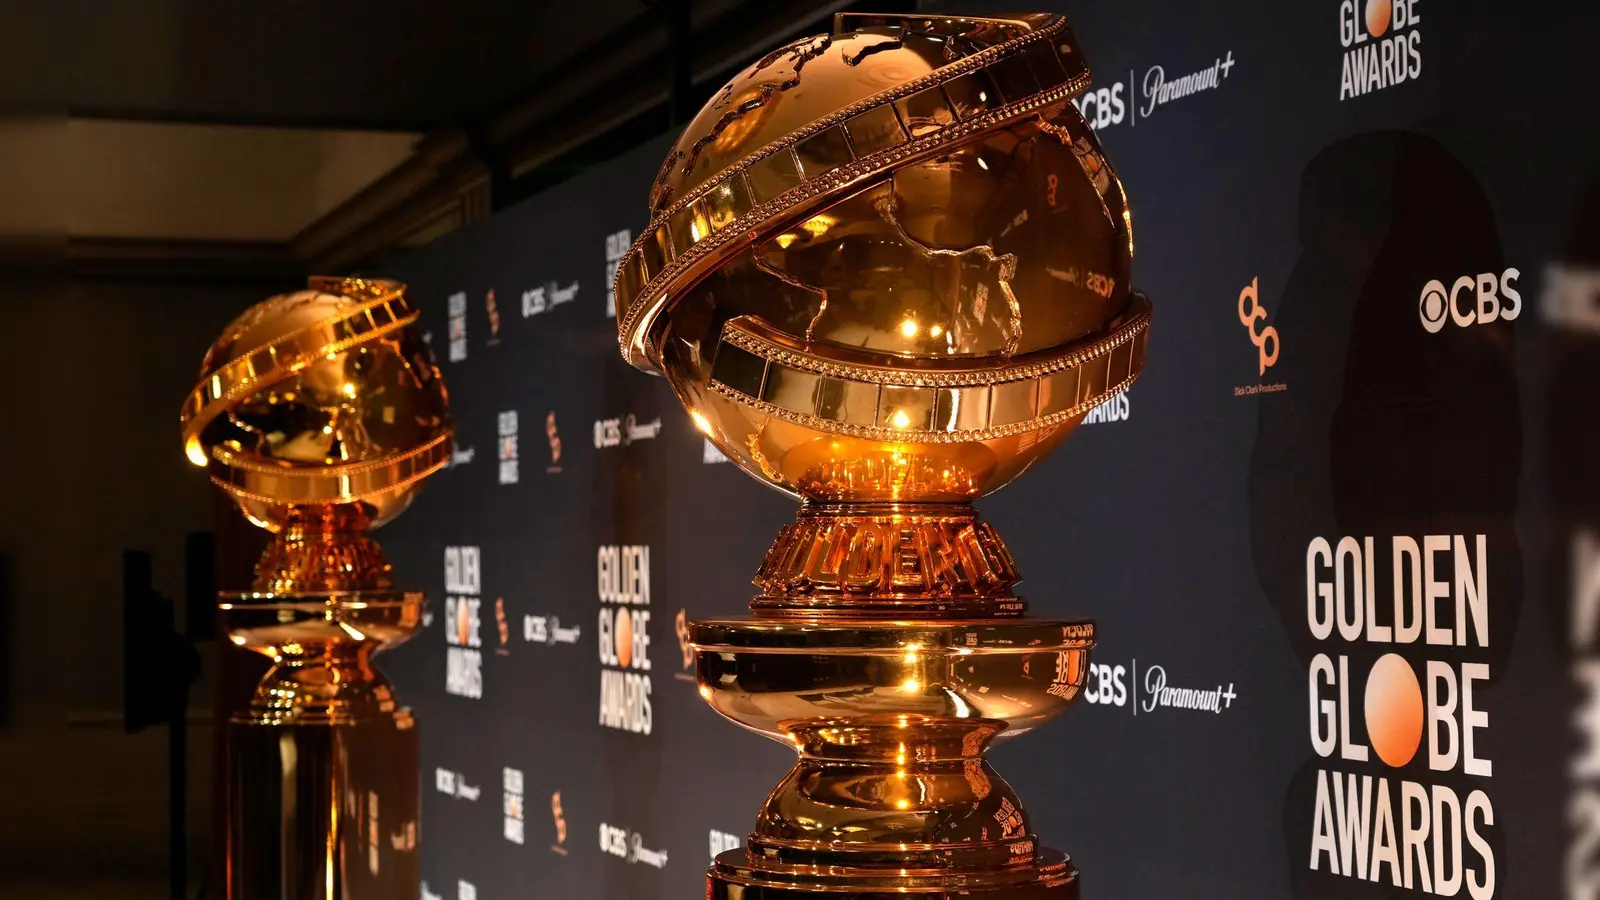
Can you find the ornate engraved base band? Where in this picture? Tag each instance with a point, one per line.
(887, 272)
(321, 412)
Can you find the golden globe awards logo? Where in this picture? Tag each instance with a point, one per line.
(722, 841)
(462, 622)
(1416, 709)
(1583, 770)
(457, 306)
(506, 427)
(1571, 297)
(617, 244)
(624, 587)
(513, 803)
(1383, 46)
(1113, 409)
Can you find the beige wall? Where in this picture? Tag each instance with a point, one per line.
(142, 179)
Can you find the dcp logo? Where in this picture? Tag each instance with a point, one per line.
(1250, 312)
(1470, 300)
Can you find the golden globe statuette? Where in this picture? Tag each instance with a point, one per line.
(321, 411)
(886, 272)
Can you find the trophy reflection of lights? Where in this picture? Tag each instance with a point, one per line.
(887, 272)
(321, 411)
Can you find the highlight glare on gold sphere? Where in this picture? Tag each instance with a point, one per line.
(327, 395)
(891, 263)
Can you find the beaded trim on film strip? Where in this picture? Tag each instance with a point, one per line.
(382, 308)
(979, 92)
(892, 405)
(342, 484)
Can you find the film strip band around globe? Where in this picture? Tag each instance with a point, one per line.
(380, 309)
(1016, 68)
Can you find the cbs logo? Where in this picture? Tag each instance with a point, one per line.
(1102, 107)
(613, 840)
(1470, 300)
(1107, 685)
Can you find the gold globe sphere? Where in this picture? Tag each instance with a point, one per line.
(317, 397)
(890, 263)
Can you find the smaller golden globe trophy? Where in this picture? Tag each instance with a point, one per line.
(887, 272)
(321, 411)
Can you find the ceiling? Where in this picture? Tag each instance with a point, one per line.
(405, 65)
(277, 135)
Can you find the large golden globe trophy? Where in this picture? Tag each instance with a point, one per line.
(886, 272)
(321, 411)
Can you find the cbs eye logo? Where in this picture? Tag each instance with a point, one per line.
(1470, 300)
(1250, 312)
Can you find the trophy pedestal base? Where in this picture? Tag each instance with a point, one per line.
(736, 876)
(322, 811)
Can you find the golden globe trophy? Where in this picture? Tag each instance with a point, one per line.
(886, 272)
(321, 411)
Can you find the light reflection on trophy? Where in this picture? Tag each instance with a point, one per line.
(321, 411)
(886, 272)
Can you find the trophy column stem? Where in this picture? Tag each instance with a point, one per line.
(323, 795)
(323, 811)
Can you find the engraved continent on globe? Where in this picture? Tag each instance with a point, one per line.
(890, 263)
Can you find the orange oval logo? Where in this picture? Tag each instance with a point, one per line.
(1379, 14)
(1394, 710)
(624, 632)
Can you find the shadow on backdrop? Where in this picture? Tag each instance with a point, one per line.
(1387, 431)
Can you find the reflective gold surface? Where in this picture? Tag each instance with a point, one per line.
(320, 396)
(888, 271)
(320, 412)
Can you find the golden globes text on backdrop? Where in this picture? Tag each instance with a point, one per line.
(886, 272)
(321, 412)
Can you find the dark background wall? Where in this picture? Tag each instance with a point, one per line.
(1186, 521)
(1181, 523)
(96, 370)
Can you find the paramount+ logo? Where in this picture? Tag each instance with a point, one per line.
(1470, 300)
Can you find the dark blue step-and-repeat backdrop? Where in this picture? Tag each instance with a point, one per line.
(1347, 511)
